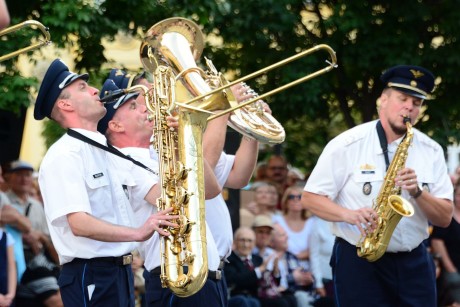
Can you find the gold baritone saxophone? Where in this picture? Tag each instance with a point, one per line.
(389, 205)
(184, 263)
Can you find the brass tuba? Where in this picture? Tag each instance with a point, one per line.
(169, 51)
(390, 207)
(178, 43)
(46, 40)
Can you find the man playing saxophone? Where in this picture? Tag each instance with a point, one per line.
(347, 179)
(89, 213)
(127, 128)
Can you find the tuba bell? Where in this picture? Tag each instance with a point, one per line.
(167, 43)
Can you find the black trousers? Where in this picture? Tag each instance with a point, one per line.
(213, 294)
(396, 279)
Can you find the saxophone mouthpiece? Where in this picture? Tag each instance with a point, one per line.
(112, 95)
(406, 119)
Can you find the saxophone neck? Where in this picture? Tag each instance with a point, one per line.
(410, 131)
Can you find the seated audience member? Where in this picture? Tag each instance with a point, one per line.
(15, 224)
(321, 244)
(295, 281)
(39, 281)
(296, 224)
(295, 177)
(247, 276)
(263, 227)
(445, 242)
(8, 277)
(265, 199)
(277, 173)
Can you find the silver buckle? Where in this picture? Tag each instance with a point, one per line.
(218, 275)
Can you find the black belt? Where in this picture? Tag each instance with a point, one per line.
(340, 240)
(214, 275)
(122, 260)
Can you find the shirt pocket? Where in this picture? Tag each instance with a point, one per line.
(360, 176)
(367, 183)
(96, 180)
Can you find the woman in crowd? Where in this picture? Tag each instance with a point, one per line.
(295, 222)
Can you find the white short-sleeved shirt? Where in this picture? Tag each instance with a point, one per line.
(355, 158)
(150, 249)
(217, 214)
(78, 177)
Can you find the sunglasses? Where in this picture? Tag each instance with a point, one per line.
(292, 196)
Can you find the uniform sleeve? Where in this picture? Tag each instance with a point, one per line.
(63, 186)
(223, 168)
(329, 174)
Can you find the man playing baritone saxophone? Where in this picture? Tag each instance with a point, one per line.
(127, 127)
(86, 202)
(346, 180)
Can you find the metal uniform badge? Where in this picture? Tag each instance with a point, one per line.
(425, 187)
(367, 188)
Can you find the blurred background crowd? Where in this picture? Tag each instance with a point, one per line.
(280, 253)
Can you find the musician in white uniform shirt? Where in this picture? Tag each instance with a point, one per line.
(127, 126)
(346, 180)
(89, 216)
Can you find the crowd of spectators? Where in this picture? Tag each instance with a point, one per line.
(280, 256)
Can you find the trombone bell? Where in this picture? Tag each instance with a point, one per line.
(178, 43)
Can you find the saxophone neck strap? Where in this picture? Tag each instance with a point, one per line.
(383, 143)
(108, 148)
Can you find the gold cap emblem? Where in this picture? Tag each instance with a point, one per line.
(417, 73)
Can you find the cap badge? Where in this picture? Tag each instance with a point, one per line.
(417, 73)
(413, 83)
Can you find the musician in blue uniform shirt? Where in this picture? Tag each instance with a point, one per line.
(347, 179)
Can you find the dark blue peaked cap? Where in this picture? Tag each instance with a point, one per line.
(112, 106)
(57, 77)
(121, 79)
(412, 80)
(124, 80)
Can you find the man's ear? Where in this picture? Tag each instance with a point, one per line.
(65, 104)
(115, 126)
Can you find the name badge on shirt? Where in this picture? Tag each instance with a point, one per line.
(367, 169)
(98, 175)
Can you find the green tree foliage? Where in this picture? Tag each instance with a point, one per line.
(368, 36)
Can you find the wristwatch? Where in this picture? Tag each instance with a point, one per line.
(418, 193)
